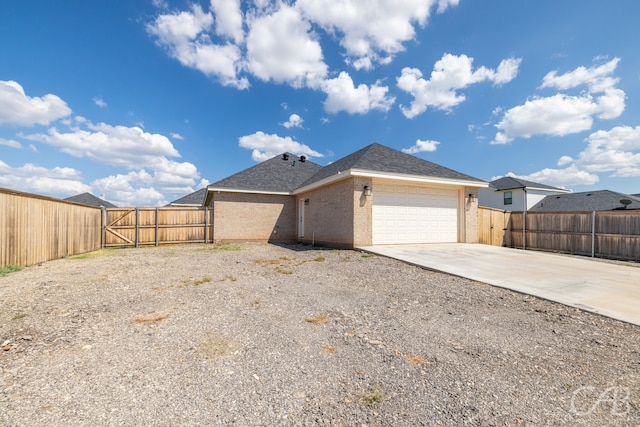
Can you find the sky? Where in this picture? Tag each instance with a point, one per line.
(142, 102)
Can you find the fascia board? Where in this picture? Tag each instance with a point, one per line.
(418, 178)
(237, 190)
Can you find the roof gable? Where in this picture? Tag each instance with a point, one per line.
(601, 200)
(91, 200)
(280, 174)
(512, 183)
(379, 158)
(193, 199)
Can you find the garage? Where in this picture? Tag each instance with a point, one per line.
(414, 214)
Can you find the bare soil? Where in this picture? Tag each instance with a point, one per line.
(266, 335)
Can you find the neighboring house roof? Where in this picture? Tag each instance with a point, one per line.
(378, 158)
(511, 183)
(280, 174)
(601, 200)
(91, 200)
(193, 199)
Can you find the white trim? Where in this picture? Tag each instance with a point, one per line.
(235, 190)
(390, 176)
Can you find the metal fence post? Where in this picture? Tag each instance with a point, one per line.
(593, 234)
(137, 228)
(157, 224)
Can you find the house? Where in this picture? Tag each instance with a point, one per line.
(192, 199)
(515, 194)
(589, 201)
(376, 195)
(91, 200)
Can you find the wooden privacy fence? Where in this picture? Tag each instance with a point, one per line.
(35, 229)
(603, 234)
(155, 226)
(493, 226)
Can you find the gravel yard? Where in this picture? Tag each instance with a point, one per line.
(266, 335)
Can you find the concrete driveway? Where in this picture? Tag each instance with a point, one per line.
(609, 289)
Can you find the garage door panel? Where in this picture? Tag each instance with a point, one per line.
(411, 214)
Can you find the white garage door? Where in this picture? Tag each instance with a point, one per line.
(409, 214)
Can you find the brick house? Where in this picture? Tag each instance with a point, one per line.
(376, 195)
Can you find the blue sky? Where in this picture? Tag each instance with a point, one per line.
(145, 101)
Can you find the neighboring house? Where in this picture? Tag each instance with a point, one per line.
(376, 195)
(193, 199)
(91, 200)
(515, 194)
(601, 200)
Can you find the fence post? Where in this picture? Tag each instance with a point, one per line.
(524, 230)
(103, 227)
(137, 228)
(593, 234)
(206, 224)
(157, 224)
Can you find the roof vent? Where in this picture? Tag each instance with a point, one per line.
(588, 194)
(303, 159)
(285, 156)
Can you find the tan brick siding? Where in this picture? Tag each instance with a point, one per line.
(471, 233)
(260, 217)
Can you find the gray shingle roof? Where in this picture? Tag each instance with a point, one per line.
(377, 157)
(193, 199)
(601, 200)
(91, 200)
(274, 175)
(510, 183)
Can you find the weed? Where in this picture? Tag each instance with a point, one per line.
(372, 397)
(205, 279)
(20, 316)
(319, 258)
(227, 247)
(9, 269)
(413, 359)
(317, 320)
(329, 348)
(230, 277)
(148, 320)
(283, 270)
(368, 255)
(93, 254)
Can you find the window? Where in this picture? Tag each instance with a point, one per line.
(508, 198)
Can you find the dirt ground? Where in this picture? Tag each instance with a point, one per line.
(260, 334)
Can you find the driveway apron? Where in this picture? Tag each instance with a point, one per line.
(609, 289)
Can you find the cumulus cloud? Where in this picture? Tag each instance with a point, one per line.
(186, 37)
(371, 32)
(343, 95)
(563, 114)
(450, 74)
(57, 182)
(282, 48)
(10, 143)
(422, 146)
(99, 102)
(295, 121)
(176, 136)
(17, 108)
(560, 178)
(228, 19)
(616, 151)
(265, 146)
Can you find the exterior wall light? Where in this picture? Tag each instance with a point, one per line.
(472, 196)
(367, 190)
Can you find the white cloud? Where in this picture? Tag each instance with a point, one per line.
(10, 143)
(561, 178)
(176, 136)
(616, 151)
(450, 74)
(228, 19)
(295, 121)
(16, 108)
(186, 37)
(265, 146)
(99, 102)
(57, 182)
(371, 32)
(342, 95)
(422, 146)
(563, 114)
(281, 48)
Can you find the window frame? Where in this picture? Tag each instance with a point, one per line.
(508, 200)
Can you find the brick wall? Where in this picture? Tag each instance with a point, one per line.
(260, 217)
(471, 233)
